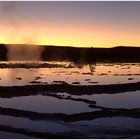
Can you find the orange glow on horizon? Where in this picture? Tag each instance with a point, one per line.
(69, 35)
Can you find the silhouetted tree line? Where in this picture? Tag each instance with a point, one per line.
(89, 55)
(3, 52)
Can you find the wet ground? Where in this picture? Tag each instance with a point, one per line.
(68, 100)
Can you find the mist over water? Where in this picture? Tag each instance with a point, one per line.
(24, 53)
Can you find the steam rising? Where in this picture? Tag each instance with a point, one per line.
(24, 53)
(12, 18)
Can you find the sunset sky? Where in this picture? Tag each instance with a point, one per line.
(79, 24)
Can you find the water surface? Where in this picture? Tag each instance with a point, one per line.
(65, 114)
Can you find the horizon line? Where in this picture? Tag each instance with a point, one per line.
(66, 45)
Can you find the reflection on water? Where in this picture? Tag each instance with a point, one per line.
(126, 100)
(53, 114)
(7, 135)
(41, 126)
(44, 104)
(99, 74)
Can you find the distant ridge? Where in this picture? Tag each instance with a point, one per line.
(126, 47)
(74, 46)
(78, 54)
